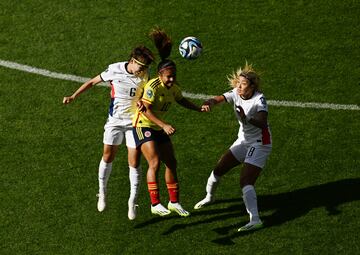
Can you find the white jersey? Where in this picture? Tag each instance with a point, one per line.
(123, 88)
(249, 133)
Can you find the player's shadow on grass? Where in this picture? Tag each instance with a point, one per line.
(294, 204)
(286, 206)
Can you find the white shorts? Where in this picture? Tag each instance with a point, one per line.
(114, 134)
(255, 154)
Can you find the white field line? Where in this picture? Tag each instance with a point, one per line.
(68, 77)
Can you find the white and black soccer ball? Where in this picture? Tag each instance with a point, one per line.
(190, 47)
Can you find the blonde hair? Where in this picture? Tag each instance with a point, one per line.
(249, 73)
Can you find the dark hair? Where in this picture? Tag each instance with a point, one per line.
(163, 44)
(143, 55)
(166, 64)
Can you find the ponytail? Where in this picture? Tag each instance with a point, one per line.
(163, 44)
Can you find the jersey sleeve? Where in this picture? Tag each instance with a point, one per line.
(148, 94)
(108, 74)
(261, 104)
(230, 96)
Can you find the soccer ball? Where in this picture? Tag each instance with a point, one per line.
(190, 47)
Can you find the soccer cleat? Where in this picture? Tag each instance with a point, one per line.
(176, 207)
(206, 201)
(132, 211)
(251, 226)
(160, 210)
(101, 204)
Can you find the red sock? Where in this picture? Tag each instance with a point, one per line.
(173, 189)
(154, 193)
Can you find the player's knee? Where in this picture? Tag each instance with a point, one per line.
(133, 161)
(154, 164)
(108, 157)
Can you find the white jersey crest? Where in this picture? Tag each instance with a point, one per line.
(123, 89)
(257, 103)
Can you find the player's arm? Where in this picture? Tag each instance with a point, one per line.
(87, 85)
(206, 106)
(169, 130)
(259, 120)
(189, 105)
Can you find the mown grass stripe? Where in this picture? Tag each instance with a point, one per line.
(69, 77)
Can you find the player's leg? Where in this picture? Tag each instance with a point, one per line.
(254, 162)
(248, 178)
(113, 137)
(134, 173)
(151, 155)
(105, 168)
(224, 165)
(167, 156)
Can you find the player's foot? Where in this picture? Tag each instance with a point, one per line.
(251, 226)
(160, 210)
(206, 201)
(132, 210)
(176, 207)
(101, 204)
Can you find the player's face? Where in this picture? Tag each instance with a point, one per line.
(244, 89)
(136, 68)
(168, 77)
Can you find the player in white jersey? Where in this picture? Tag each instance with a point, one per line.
(253, 145)
(124, 78)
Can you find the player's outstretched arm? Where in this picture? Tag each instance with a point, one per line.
(83, 87)
(211, 102)
(189, 105)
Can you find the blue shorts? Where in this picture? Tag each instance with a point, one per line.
(145, 134)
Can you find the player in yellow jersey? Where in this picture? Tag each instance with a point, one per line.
(152, 133)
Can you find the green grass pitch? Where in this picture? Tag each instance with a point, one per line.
(309, 191)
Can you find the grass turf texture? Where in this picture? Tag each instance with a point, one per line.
(309, 191)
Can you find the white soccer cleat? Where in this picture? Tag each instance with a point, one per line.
(251, 226)
(101, 204)
(132, 211)
(160, 210)
(206, 201)
(176, 207)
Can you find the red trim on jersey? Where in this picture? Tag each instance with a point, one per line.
(137, 119)
(112, 90)
(266, 136)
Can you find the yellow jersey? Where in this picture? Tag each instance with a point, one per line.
(160, 98)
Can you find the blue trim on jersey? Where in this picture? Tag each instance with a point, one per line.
(111, 107)
(225, 99)
(102, 78)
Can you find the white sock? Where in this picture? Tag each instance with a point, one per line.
(104, 174)
(250, 200)
(135, 179)
(212, 183)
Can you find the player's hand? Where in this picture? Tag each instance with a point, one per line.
(169, 130)
(240, 112)
(205, 108)
(141, 107)
(68, 100)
